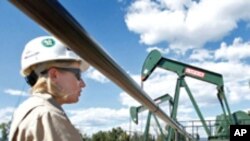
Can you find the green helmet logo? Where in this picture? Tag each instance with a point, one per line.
(48, 42)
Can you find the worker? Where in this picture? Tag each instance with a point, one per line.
(54, 73)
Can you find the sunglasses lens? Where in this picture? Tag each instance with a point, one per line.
(78, 75)
(75, 71)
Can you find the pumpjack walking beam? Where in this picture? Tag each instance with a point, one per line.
(155, 59)
(53, 17)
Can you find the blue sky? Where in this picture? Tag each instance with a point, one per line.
(210, 34)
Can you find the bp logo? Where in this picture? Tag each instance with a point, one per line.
(48, 42)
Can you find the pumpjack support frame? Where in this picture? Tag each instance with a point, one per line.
(155, 59)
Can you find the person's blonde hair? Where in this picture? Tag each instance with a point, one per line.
(44, 83)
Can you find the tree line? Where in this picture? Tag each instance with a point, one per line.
(118, 134)
(115, 134)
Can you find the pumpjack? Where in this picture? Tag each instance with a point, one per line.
(65, 27)
(222, 122)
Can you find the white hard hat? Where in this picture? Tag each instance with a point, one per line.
(47, 48)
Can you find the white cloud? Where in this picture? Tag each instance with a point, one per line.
(92, 120)
(163, 51)
(201, 55)
(154, 87)
(235, 78)
(235, 52)
(6, 114)
(16, 92)
(96, 75)
(176, 5)
(163, 82)
(185, 24)
(127, 100)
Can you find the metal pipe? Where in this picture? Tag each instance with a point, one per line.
(52, 16)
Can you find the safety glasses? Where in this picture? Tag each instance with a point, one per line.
(75, 71)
